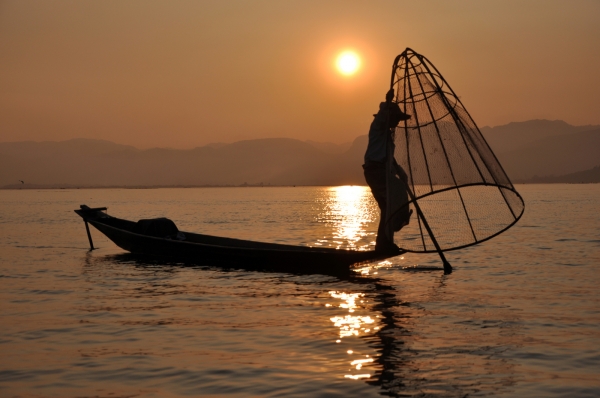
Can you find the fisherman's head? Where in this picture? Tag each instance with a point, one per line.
(391, 111)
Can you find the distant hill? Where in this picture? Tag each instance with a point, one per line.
(553, 155)
(518, 135)
(330, 147)
(544, 148)
(538, 148)
(82, 162)
(581, 177)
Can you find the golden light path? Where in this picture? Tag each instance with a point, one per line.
(349, 211)
(348, 63)
(353, 325)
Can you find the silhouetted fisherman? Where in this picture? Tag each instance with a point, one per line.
(382, 127)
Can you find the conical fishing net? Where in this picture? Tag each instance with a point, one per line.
(457, 188)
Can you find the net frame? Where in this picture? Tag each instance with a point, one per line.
(438, 112)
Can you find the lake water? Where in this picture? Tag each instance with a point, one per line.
(519, 317)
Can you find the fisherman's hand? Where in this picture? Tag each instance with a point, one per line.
(389, 96)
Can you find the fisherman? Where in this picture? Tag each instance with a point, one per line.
(382, 127)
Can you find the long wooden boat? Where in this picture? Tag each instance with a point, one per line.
(214, 250)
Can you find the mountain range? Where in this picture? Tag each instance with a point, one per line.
(527, 150)
(274, 161)
(543, 148)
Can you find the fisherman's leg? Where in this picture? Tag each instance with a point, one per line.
(382, 239)
(376, 178)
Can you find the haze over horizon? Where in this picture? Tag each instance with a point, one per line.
(184, 74)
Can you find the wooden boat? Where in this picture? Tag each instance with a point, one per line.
(214, 250)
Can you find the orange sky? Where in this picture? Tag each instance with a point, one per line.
(186, 73)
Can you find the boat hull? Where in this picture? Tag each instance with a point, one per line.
(212, 250)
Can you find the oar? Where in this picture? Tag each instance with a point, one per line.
(447, 266)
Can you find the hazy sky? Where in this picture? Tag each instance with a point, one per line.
(186, 73)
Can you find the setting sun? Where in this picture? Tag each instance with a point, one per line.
(348, 63)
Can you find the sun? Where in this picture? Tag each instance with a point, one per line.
(348, 63)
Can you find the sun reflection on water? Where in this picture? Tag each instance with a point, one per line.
(353, 325)
(359, 362)
(356, 377)
(350, 210)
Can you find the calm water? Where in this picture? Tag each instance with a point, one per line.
(519, 317)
